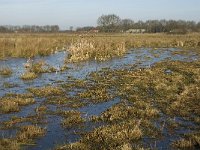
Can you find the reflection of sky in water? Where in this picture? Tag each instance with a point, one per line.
(55, 133)
(141, 57)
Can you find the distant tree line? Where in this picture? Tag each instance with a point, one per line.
(29, 28)
(113, 23)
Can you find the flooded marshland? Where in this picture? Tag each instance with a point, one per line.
(145, 99)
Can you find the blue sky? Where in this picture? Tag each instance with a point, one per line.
(76, 13)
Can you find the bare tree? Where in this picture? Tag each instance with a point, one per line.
(109, 23)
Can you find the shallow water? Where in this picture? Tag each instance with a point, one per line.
(55, 133)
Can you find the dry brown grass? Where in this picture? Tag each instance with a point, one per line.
(28, 76)
(96, 48)
(46, 91)
(5, 71)
(28, 133)
(10, 104)
(29, 45)
(71, 118)
(99, 46)
(9, 144)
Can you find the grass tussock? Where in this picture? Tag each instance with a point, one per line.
(8, 104)
(96, 94)
(15, 121)
(5, 71)
(28, 76)
(71, 118)
(9, 144)
(72, 102)
(28, 133)
(46, 91)
(108, 137)
(41, 67)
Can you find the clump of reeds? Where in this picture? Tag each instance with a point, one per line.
(98, 49)
(5, 71)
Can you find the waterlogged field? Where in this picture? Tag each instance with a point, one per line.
(103, 94)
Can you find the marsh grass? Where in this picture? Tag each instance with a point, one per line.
(155, 98)
(46, 91)
(5, 71)
(95, 48)
(190, 141)
(28, 76)
(96, 94)
(108, 137)
(73, 146)
(28, 133)
(100, 46)
(21, 95)
(41, 67)
(41, 109)
(9, 144)
(71, 118)
(15, 121)
(8, 104)
(30, 45)
(9, 85)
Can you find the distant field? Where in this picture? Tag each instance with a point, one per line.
(30, 45)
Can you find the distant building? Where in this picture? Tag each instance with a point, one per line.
(93, 31)
(136, 31)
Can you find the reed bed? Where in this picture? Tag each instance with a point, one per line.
(89, 46)
(30, 45)
(96, 48)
